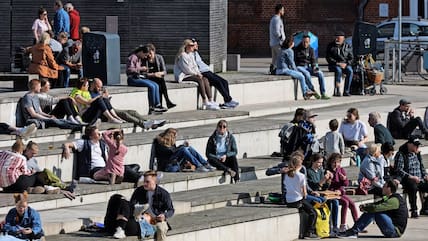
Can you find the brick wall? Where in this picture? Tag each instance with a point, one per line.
(371, 13)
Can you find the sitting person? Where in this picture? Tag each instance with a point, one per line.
(22, 221)
(90, 109)
(338, 183)
(96, 88)
(339, 57)
(92, 156)
(286, 66)
(70, 59)
(114, 169)
(390, 214)
(32, 112)
(64, 106)
(373, 168)
(221, 151)
(124, 217)
(354, 133)
(170, 158)
(136, 73)
(215, 80)
(156, 71)
(23, 132)
(402, 121)
(186, 69)
(43, 62)
(381, 133)
(304, 57)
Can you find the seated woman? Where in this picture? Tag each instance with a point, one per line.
(372, 168)
(170, 156)
(354, 133)
(22, 221)
(64, 106)
(137, 76)
(338, 183)
(156, 71)
(186, 69)
(221, 151)
(43, 62)
(90, 108)
(286, 66)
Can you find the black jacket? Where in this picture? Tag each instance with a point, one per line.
(211, 151)
(396, 123)
(163, 154)
(84, 159)
(162, 203)
(399, 216)
(304, 56)
(339, 53)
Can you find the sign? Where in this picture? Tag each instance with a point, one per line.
(383, 10)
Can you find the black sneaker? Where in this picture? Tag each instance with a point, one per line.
(311, 236)
(346, 94)
(414, 214)
(348, 234)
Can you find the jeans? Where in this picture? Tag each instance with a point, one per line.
(153, 89)
(220, 84)
(382, 220)
(189, 154)
(338, 76)
(308, 72)
(294, 74)
(412, 188)
(66, 75)
(146, 228)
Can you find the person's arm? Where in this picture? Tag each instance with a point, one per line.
(234, 149)
(350, 55)
(304, 187)
(312, 58)
(329, 56)
(210, 151)
(51, 60)
(37, 224)
(10, 226)
(169, 211)
(396, 121)
(106, 136)
(278, 169)
(162, 66)
(390, 204)
(35, 30)
(35, 115)
(133, 65)
(67, 148)
(399, 162)
(278, 32)
(290, 56)
(341, 144)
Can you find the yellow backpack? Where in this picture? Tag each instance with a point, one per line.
(322, 225)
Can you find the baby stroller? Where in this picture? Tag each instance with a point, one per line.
(375, 76)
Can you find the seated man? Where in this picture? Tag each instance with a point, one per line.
(304, 57)
(381, 133)
(402, 121)
(390, 214)
(31, 111)
(96, 88)
(71, 59)
(215, 80)
(339, 57)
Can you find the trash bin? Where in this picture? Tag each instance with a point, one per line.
(101, 57)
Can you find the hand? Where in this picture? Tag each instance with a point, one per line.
(426, 178)
(415, 178)
(284, 170)
(160, 218)
(396, 181)
(316, 194)
(186, 143)
(144, 69)
(66, 152)
(222, 158)
(26, 231)
(78, 65)
(342, 65)
(411, 113)
(158, 74)
(342, 177)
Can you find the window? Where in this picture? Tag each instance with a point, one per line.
(410, 29)
(386, 31)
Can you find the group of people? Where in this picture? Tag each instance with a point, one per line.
(300, 61)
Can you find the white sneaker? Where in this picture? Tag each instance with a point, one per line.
(235, 103)
(202, 169)
(209, 167)
(72, 120)
(210, 106)
(148, 124)
(213, 103)
(119, 234)
(343, 228)
(27, 131)
(139, 209)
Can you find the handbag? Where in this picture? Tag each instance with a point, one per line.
(364, 186)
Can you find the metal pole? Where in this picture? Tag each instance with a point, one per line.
(400, 13)
(425, 8)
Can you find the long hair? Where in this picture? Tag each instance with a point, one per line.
(182, 49)
(296, 159)
(168, 137)
(332, 158)
(18, 146)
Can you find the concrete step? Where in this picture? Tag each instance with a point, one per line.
(242, 222)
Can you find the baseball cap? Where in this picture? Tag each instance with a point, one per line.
(309, 114)
(404, 102)
(339, 33)
(414, 140)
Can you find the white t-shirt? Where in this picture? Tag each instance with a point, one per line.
(40, 26)
(353, 132)
(294, 187)
(97, 159)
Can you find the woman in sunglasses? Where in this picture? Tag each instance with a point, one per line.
(222, 150)
(41, 25)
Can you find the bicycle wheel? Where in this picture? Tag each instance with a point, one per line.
(421, 72)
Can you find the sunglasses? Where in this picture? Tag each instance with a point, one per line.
(222, 126)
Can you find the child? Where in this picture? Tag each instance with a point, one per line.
(338, 182)
(333, 140)
(295, 184)
(114, 169)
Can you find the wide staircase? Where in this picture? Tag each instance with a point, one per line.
(207, 206)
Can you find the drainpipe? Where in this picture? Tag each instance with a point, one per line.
(361, 7)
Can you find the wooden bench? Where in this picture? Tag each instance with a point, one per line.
(20, 80)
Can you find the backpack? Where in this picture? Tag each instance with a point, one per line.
(322, 224)
(19, 115)
(284, 135)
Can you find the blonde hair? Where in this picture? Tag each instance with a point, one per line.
(296, 160)
(45, 38)
(182, 49)
(168, 137)
(373, 148)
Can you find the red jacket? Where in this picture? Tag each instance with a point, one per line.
(74, 24)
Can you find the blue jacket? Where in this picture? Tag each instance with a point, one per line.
(286, 60)
(31, 219)
(61, 22)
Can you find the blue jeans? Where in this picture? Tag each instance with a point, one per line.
(294, 74)
(153, 89)
(338, 75)
(308, 72)
(146, 228)
(383, 221)
(189, 154)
